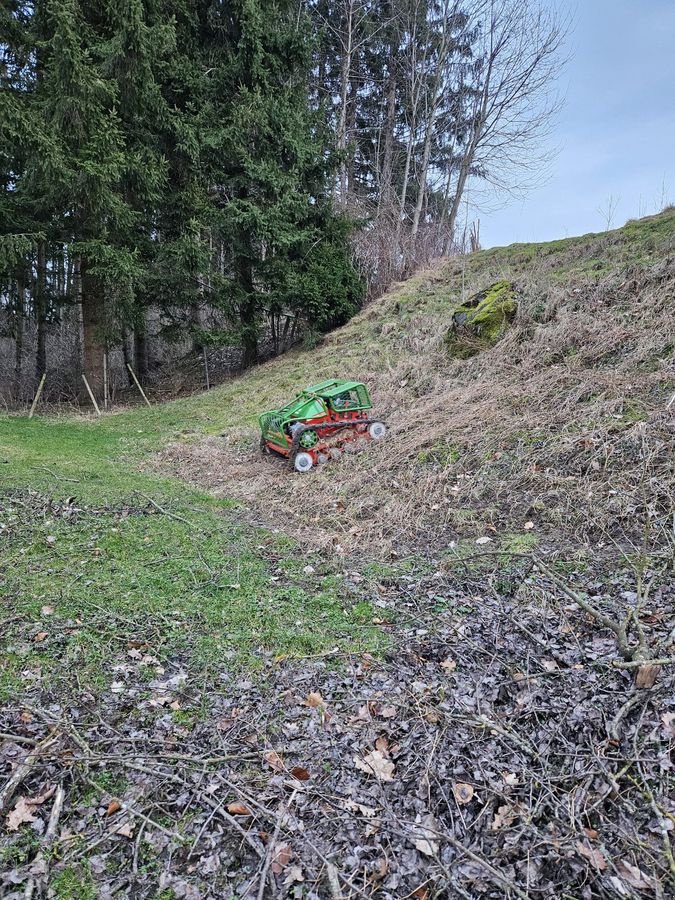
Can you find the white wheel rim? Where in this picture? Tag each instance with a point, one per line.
(377, 430)
(303, 462)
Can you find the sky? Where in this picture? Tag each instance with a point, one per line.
(615, 135)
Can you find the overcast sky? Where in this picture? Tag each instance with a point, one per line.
(616, 132)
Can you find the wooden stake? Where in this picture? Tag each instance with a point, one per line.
(138, 384)
(105, 379)
(91, 395)
(37, 396)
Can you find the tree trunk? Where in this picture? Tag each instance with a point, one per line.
(344, 87)
(248, 317)
(93, 320)
(18, 335)
(41, 311)
(386, 189)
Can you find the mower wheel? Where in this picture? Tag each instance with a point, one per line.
(303, 462)
(377, 430)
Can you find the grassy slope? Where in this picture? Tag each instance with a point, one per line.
(206, 583)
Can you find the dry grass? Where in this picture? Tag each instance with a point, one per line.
(563, 423)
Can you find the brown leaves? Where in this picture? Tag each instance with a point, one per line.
(41, 636)
(375, 763)
(594, 856)
(273, 759)
(635, 877)
(25, 808)
(113, 807)
(315, 700)
(646, 676)
(449, 664)
(282, 856)
(22, 813)
(426, 836)
(463, 792)
(238, 809)
(300, 773)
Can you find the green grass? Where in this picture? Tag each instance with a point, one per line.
(194, 584)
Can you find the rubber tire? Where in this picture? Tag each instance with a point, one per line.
(377, 430)
(303, 462)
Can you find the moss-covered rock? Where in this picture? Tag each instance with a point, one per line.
(482, 319)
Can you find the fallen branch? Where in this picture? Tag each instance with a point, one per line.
(638, 663)
(22, 771)
(40, 866)
(165, 512)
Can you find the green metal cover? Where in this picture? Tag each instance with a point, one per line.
(311, 403)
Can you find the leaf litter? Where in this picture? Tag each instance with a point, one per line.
(495, 777)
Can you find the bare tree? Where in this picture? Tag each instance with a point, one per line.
(518, 55)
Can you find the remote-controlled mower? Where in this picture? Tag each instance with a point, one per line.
(320, 423)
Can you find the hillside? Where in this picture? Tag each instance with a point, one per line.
(439, 668)
(558, 424)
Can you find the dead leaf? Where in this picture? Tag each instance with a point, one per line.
(21, 814)
(549, 665)
(367, 811)
(634, 876)
(646, 676)
(300, 773)
(422, 892)
(484, 540)
(40, 636)
(294, 874)
(388, 712)
(593, 855)
(238, 809)
(463, 792)
(47, 610)
(126, 829)
(510, 778)
(314, 700)
(528, 526)
(380, 869)
(376, 764)
(668, 720)
(282, 857)
(273, 759)
(426, 839)
(505, 816)
(113, 807)
(591, 834)
(449, 664)
(382, 744)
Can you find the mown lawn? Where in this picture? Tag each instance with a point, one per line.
(98, 556)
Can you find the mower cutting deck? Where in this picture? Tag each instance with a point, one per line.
(319, 423)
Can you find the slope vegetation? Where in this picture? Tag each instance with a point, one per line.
(439, 668)
(562, 424)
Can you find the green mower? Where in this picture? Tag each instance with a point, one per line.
(320, 423)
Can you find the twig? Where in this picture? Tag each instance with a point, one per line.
(165, 512)
(58, 477)
(637, 663)
(618, 629)
(270, 855)
(17, 739)
(614, 730)
(22, 771)
(40, 866)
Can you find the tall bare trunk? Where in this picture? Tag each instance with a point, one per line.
(19, 311)
(93, 321)
(41, 311)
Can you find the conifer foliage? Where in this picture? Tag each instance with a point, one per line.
(163, 153)
(216, 166)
